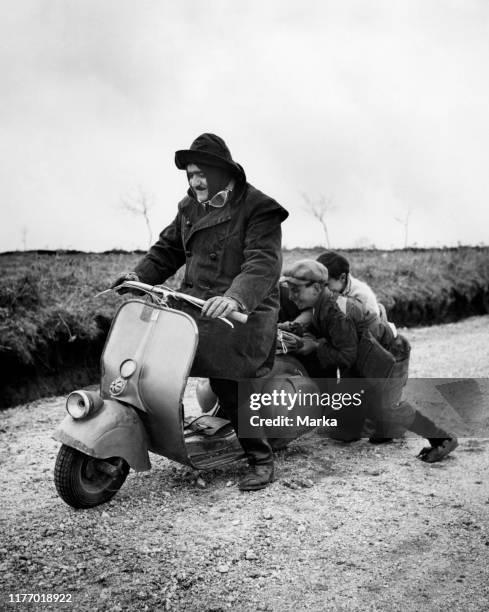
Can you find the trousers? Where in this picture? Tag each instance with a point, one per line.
(258, 450)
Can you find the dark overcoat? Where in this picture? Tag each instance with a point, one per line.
(235, 251)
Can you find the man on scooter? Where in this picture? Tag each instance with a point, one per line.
(228, 235)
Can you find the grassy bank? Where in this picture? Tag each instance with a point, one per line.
(52, 328)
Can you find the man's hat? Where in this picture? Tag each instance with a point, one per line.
(305, 270)
(211, 150)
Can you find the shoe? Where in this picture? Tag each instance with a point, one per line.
(279, 444)
(257, 477)
(431, 454)
(379, 440)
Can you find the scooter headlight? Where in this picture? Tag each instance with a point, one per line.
(79, 404)
(127, 368)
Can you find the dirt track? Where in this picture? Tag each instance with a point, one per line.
(345, 527)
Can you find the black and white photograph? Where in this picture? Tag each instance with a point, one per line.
(244, 305)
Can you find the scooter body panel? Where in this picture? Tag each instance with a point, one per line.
(115, 430)
(162, 343)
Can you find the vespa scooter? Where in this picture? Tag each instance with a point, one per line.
(145, 365)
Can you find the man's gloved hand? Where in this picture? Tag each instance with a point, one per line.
(219, 306)
(128, 276)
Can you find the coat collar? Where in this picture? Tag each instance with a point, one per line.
(215, 215)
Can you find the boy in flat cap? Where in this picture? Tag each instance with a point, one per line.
(336, 346)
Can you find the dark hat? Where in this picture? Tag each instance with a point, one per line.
(211, 150)
(305, 270)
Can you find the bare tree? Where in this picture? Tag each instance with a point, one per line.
(320, 209)
(404, 221)
(138, 203)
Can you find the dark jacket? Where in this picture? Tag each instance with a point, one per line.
(338, 341)
(234, 251)
(366, 321)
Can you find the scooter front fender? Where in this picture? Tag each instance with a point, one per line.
(115, 430)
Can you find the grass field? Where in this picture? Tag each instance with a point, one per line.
(51, 323)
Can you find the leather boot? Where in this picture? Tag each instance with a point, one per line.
(437, 452)
(442, 442)
(257, 477)
(257, 449)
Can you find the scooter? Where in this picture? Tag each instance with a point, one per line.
(145, 366)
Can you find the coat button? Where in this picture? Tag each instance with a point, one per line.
(213, 256)
(188, 223)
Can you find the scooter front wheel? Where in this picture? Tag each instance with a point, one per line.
(83, 481)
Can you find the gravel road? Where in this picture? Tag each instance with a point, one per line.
(344, 527)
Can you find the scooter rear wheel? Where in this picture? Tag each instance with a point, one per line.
(83, 481)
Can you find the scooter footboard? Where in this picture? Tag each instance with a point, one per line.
(114, 430)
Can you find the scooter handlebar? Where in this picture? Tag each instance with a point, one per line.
(237, 316)
(240, 317)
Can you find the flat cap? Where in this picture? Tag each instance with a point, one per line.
(308, 270)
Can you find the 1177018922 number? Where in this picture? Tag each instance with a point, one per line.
(40, 598)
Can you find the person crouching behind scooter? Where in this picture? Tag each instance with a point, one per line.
(395, 415)
(340, 280)
(333, 345)
(307, 281)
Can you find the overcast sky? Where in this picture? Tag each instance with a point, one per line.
(381, 107)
